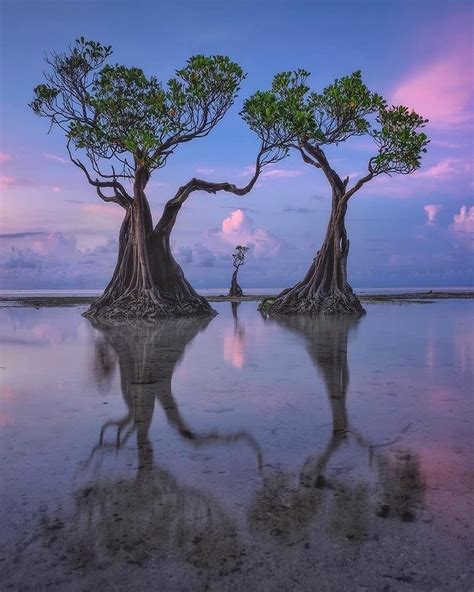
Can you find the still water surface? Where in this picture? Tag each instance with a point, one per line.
(238, 452)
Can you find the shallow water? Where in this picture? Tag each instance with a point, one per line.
(238, 451)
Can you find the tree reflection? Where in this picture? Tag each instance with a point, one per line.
(285, 510)
(148, 354)
(152, 513)
(154, 516)
(234, 341)
(326, 339)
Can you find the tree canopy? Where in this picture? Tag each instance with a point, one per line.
(117, 112)
(308, 121)
(128, 124)
(122, 119)
(239, 255)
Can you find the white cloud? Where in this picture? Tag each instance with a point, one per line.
(54, 260)
(432, 211)
(464, 221)
(441, 89)
(103, 209)
(6, 181)
(446, 168)
(204, 171)
(270, 172)
(463, 227)
(218, 244)
(281, 173)
(238, 228)
(49, 156)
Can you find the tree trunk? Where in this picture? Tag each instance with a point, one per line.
(325, 289)
(147, 281)
(166, 272)
(235, 290)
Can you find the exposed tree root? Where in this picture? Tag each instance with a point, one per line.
(338, 303)
(325, 289)
(235, 290)
(148, 305)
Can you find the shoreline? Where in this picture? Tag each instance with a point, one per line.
(66, 301)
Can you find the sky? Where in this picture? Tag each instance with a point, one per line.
(405, 231)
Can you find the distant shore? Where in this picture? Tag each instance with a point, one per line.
(19, 301)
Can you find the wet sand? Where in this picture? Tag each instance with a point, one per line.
(58, 301)
(238, 453)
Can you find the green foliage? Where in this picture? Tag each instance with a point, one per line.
(399, 140)
(291, 114)
(70, 71)
(204, 77)
(44, 98)
(341, 110)
(114, 111)
(239, 255)
(265, 306)
(280, 114)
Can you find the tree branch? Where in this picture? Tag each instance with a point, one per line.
(304, 156)
(264, 157)
(120, 197)
(209, 187)
(316, 152)
(357, 186)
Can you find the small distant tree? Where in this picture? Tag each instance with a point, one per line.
(127, 125)
(314, 121)
(239, 260)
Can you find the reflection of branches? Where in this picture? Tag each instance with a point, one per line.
(104, 364)
(402, 484)
(235, 306)
(134, 520)
(239, 330)
(147, 353)
(326, 342)
(289, 510)
(131, 518)
(234, 344)
(400, 477)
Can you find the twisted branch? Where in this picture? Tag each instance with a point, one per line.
(120, 197)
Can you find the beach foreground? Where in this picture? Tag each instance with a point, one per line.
(238, 452)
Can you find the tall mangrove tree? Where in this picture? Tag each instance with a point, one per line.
(121, 126)
(316, 121)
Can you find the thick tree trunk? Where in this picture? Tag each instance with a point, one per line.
(325, 289)
(166, 272)
(147, 281)
(235, 290)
